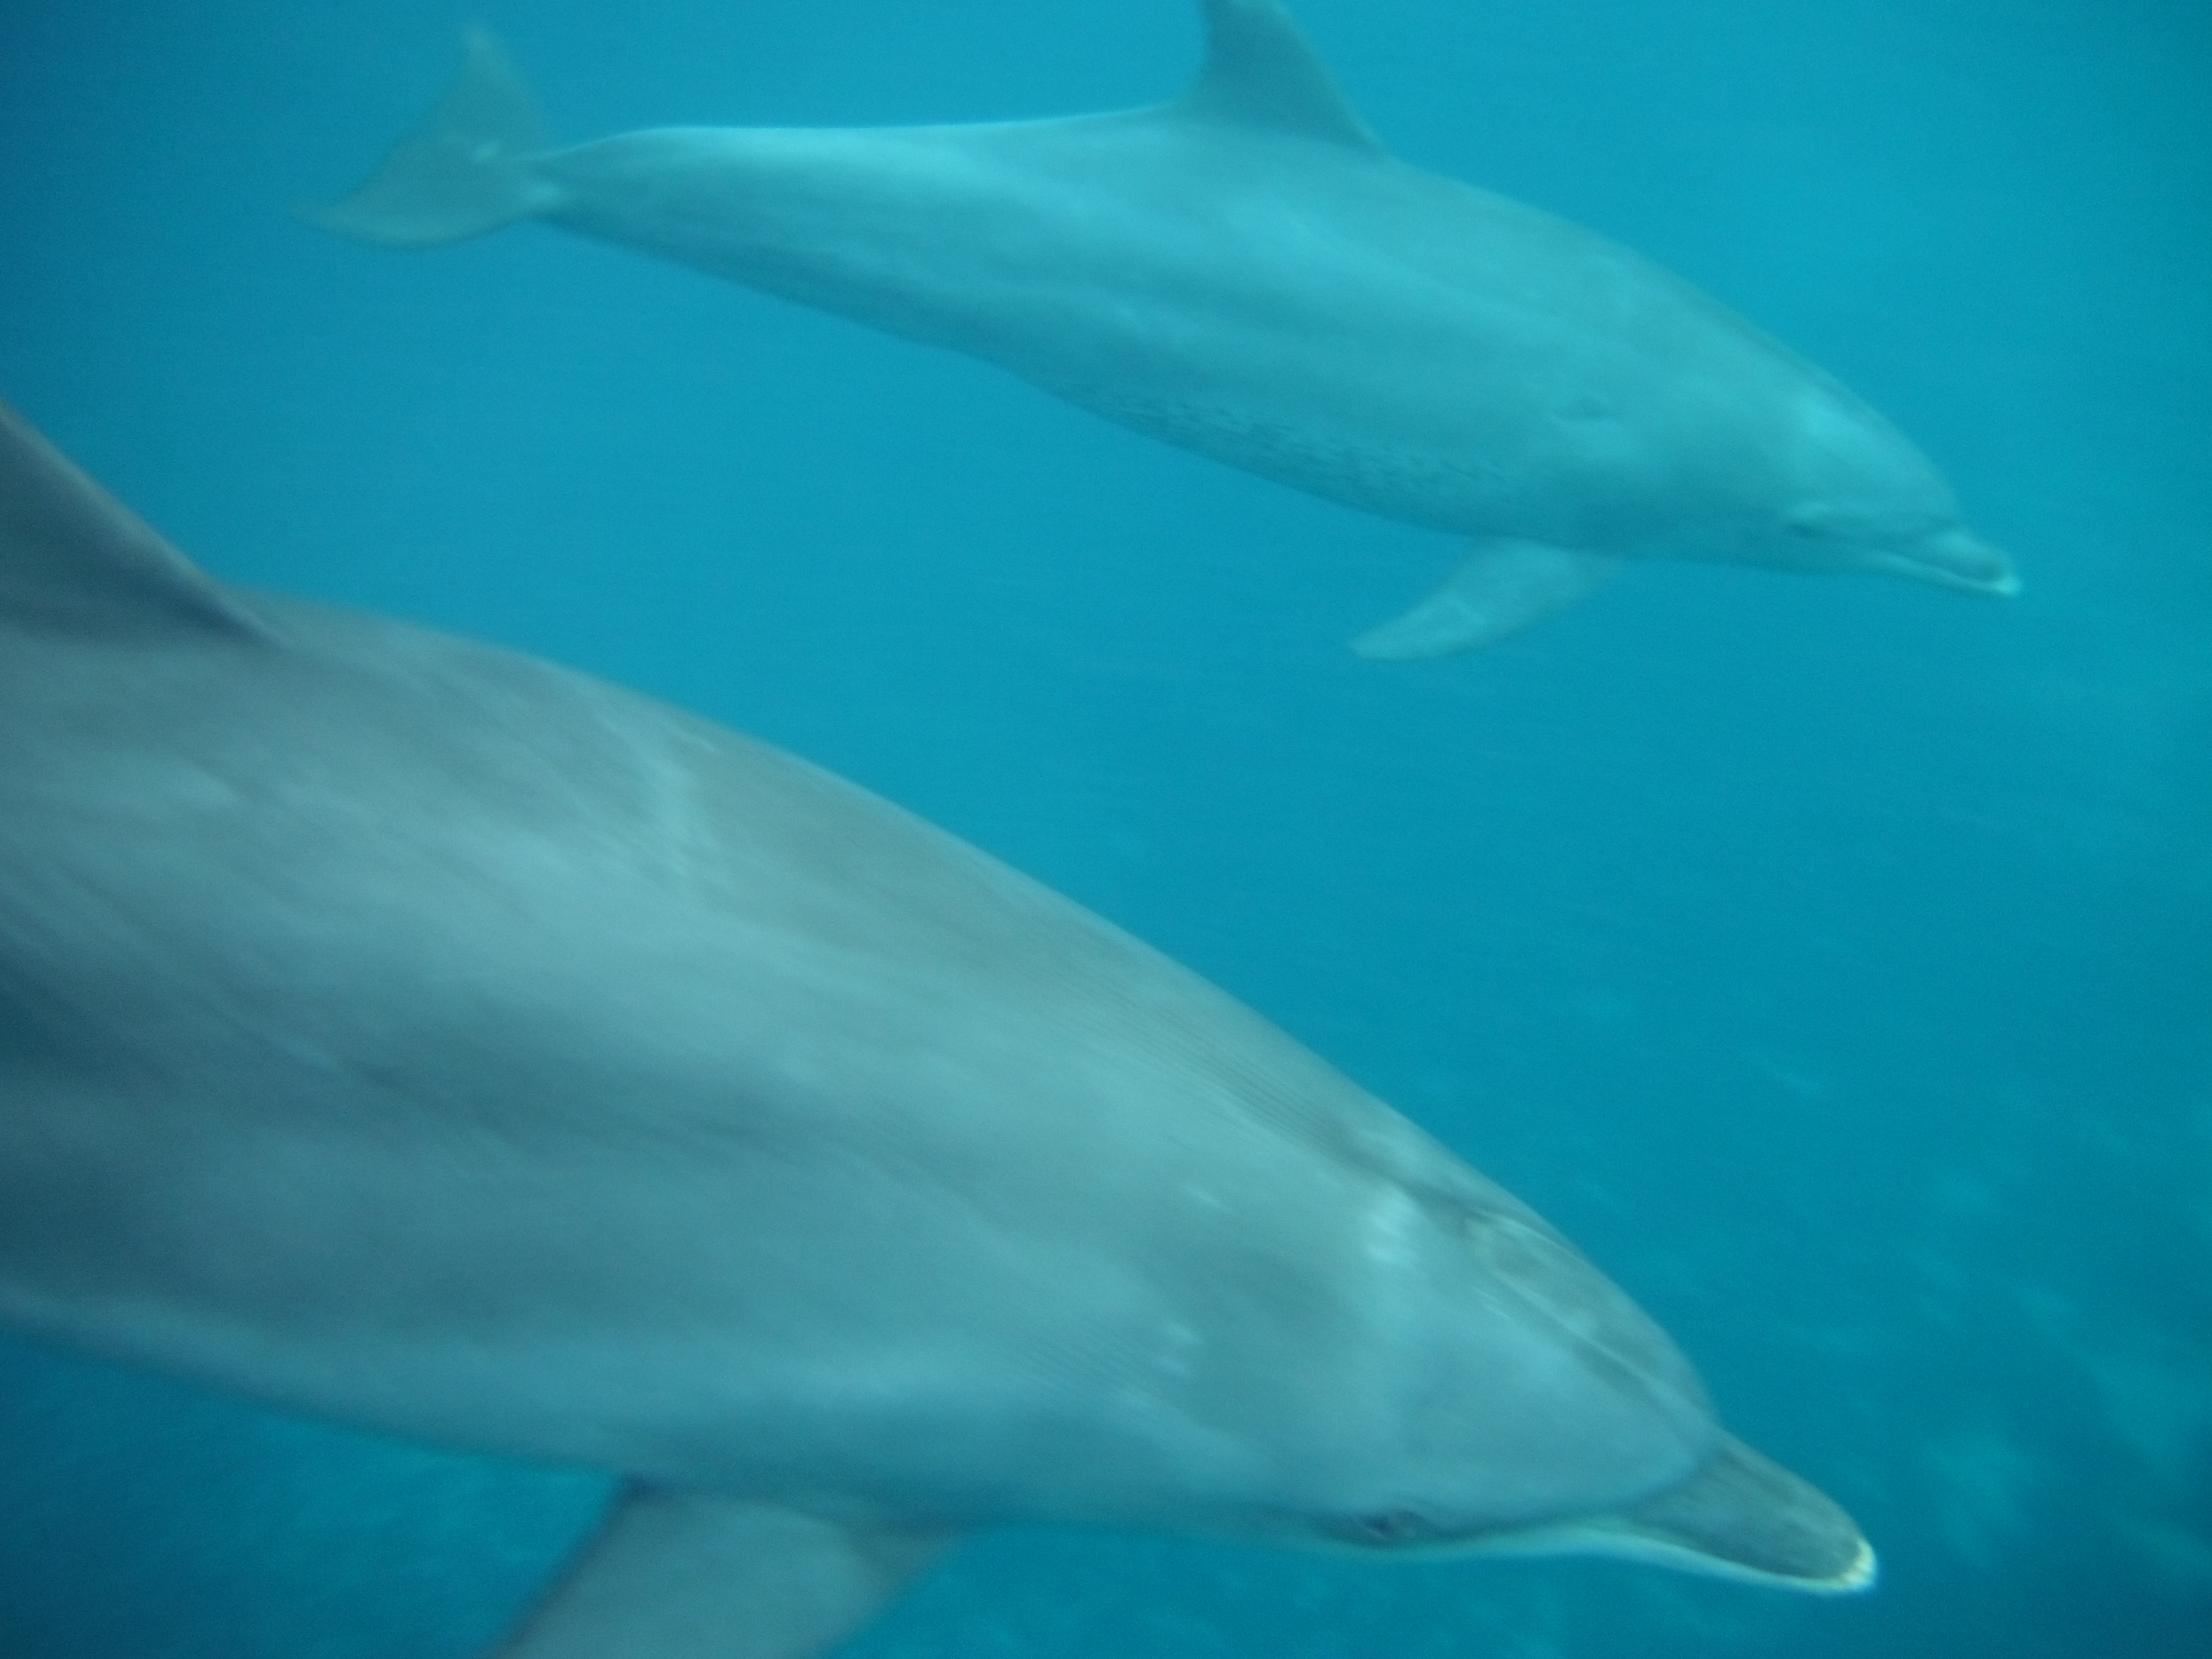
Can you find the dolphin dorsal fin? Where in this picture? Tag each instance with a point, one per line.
(1262, 71)
(73, 557)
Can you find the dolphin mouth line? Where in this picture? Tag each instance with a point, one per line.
(1960, 560)
(1618, 1538)
(2004, 586)
(1739, 1517)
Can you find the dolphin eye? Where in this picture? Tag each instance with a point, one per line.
(1384, 1528)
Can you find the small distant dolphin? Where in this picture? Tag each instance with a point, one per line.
(401, 1029)
(1246, 272)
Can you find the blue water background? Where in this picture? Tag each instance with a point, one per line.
(1831, 958)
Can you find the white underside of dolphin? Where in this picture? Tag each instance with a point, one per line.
(404, 1030)
(1244, 272)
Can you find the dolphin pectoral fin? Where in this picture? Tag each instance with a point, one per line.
(466, 170)
(1262, 71)
(680, 1575)
(1504, 587)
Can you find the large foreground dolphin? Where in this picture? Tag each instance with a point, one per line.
(401, 1029)
(1245, 271)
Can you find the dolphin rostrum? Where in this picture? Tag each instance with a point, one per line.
(1246, 272)
(404, 1031)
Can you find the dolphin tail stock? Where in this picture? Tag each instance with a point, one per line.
(680, 1575)
(1505, 586)
(468, 169)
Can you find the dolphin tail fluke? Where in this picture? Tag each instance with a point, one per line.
(1504, 587)
(676, 1575)
(469, 169)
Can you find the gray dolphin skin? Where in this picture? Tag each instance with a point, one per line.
(399, 1030)
(1244, 272)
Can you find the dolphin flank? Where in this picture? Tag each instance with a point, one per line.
(404, 1030)
(1246, 272)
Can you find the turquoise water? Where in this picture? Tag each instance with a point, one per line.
(1832, 959)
